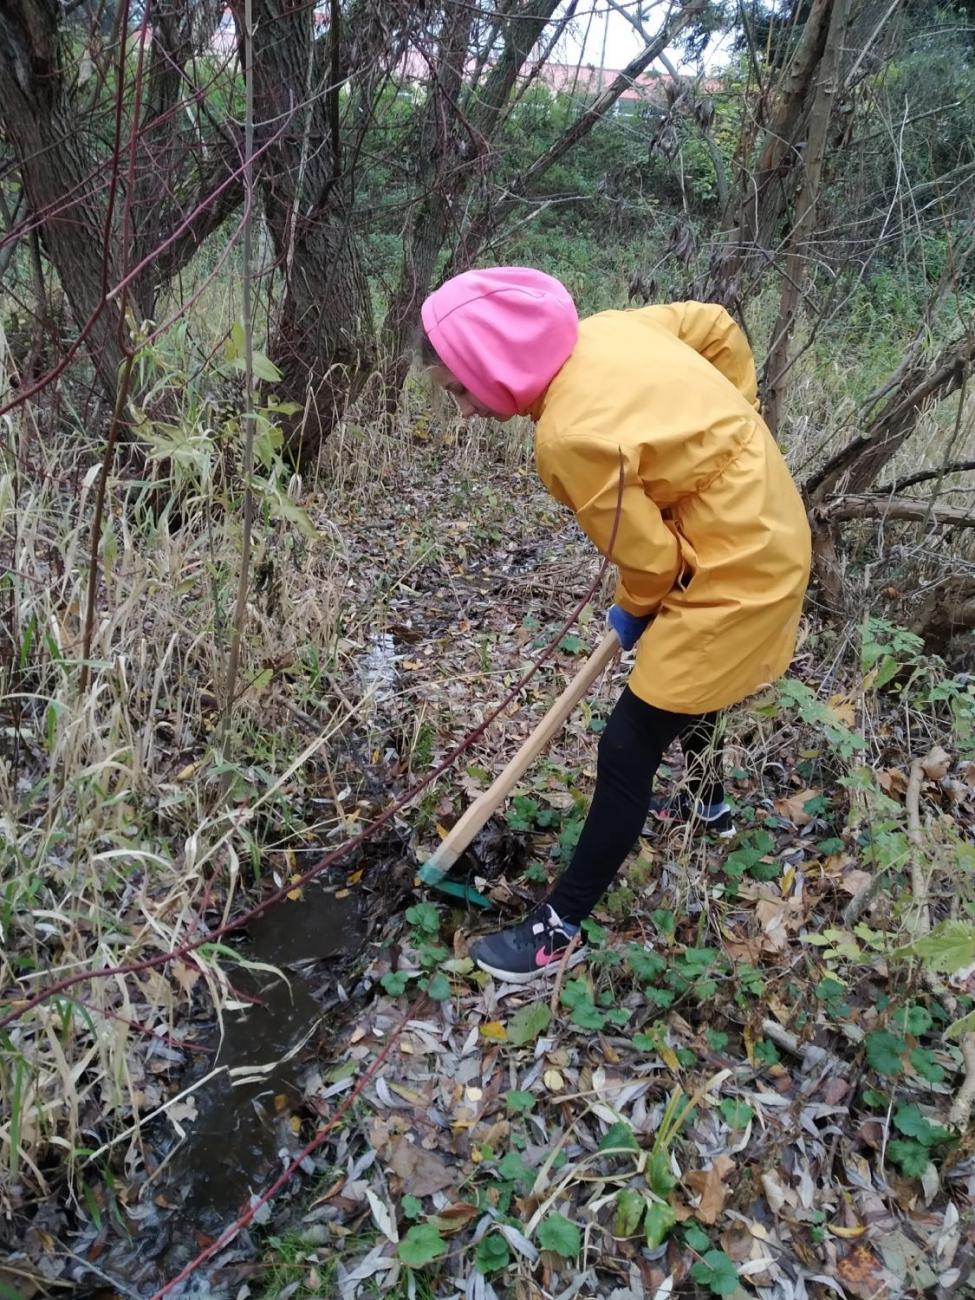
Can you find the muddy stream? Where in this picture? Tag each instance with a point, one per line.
(238, 1130)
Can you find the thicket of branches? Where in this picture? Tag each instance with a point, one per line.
(394, 144)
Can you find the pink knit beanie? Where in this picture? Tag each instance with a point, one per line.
(504, 332)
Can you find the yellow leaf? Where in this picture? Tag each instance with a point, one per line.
(294, 894)
(748, 1038)
(189, 770)
(495, 1031)
(355, 877)
(413, 1097)
(295, 1124)
(553, 1080)
(342, 893)
(837, 1231)
(669, 1057)
(843, 709)
(442, 831)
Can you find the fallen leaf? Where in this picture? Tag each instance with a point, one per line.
(772, 917)
(422, 1172)
(382, 1217)
(709, 1185)
(454, 1217)
(776, 1194)
(936, 763)
(494, 1030)
(892, 781)
(669, 1058)
(793, 807)
(855, 882)
(862, 1273)
(182, 1112)
(843, 709)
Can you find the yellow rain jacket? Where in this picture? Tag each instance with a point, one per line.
(712, 537)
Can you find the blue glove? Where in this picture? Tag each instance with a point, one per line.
(628, 627)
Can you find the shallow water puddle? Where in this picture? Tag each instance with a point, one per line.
(232, 1144)
(238, 1127)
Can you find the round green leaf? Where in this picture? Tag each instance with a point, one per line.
(913, 1020)
(911, 1156)
(422, 1244)
(438, 987)
(884, 1051)
(394, 982)
(559, 1234)
(492, 1253)
(659, 1221)
(715, 1270)
(519, 1102)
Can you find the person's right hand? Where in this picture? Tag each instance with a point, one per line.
(628, 627)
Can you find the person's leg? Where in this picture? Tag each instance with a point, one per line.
(636, 738)
(703, 747)
(701, 800)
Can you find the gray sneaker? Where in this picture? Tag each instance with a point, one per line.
(524, 951)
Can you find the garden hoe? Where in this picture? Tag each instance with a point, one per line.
(434, 871)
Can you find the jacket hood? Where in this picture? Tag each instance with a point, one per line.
(504, 332)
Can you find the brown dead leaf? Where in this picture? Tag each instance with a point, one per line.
(709, 1185)
(422, 1172)
(835, 1090)
(776, 1194)
(454, 1217)
(892, 781)
(744, 1243)
(744, 949)
(855, 881)
(936, 763)
(863, 1275)
(186, 975)
(773, 918)
(968, 774)
(792, 807)
(843, 709)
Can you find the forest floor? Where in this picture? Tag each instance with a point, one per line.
(746, 1088)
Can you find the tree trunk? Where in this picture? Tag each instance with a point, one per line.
(456, 135)
(764, 191)
(797, 257)
(78, 194)
(323, 341)
(57, 167)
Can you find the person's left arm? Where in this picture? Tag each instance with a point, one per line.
(583, 473)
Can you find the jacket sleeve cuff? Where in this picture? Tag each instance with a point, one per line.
(637, 608)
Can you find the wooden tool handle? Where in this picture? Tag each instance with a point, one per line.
(481, 809)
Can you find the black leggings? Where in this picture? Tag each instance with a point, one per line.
(636, 738)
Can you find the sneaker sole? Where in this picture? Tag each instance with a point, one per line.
(527, 976)
(700, 827)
